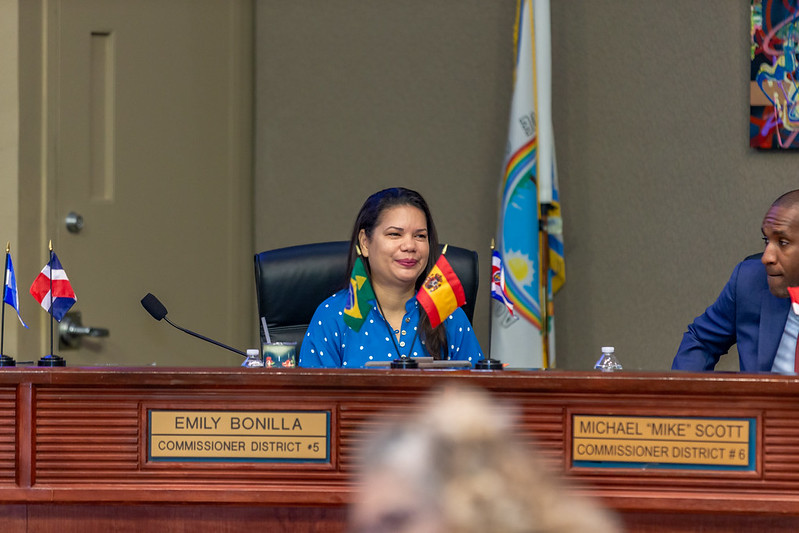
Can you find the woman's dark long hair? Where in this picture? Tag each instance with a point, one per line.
(368, 216)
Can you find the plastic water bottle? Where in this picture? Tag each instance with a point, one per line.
(608, 362)
(253, 359)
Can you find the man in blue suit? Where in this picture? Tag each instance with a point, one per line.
(753, 309)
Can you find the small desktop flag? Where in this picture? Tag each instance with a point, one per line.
(794, 293)
(10, 294)
(498, 281)
(62, 297)
(441, 293)
(360, 292)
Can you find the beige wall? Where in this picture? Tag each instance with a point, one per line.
(9, 151)
(661, 194)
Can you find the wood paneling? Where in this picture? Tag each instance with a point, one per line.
(73, 445)
(8, 416)
(172, 518)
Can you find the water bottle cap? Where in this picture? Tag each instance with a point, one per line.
(608, 349)
(253, 351)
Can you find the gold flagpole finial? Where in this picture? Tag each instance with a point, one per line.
(8, 247)
(445, 249)
(51, 245)
(492, 244)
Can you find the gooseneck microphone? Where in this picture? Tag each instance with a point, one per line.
(157, 310)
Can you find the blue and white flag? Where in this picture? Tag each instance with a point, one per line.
(10, 294)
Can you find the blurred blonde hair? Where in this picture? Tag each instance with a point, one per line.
(460, 460)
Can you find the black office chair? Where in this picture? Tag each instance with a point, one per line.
(291, 282)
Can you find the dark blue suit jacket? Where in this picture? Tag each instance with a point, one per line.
(746, 314)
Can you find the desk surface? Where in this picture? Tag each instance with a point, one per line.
(72, 435)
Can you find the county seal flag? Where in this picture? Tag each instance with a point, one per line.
(62, 296)
(529, 190)
(358, 296)
(441, 293)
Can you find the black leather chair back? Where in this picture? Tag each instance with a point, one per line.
(291, 282)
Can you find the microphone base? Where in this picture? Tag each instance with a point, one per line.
(488, 364)
(5, 360)
(52, 361)
(404, 362)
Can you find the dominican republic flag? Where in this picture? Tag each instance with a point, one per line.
(62, 297)
(10, 294)
(441, 293)
(498, 282)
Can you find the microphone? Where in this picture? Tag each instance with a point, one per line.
(157, 310)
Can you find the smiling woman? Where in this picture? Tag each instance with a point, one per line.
(397, 251)
(395, 240)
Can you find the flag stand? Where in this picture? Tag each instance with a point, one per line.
(5, 360)
(490, 363)
(404, 363)
(51, 359)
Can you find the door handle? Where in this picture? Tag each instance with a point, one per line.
(71, 331)
(74, 222)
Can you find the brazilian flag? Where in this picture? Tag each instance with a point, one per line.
(360, 293)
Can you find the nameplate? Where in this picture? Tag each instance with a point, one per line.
(687, 443)
(258, 436)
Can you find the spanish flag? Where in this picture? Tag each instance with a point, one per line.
(441, 292)
(360, 292)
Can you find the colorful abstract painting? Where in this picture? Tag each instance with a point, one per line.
(774, 89)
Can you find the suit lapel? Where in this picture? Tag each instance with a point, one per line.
(773, 314)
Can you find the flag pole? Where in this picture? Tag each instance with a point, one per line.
(51, 359)
(5, 360)
(3, 312)
(544, 228)
(490, 303)
(50, 262)
(489, 363)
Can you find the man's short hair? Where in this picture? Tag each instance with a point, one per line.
(789, 199)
